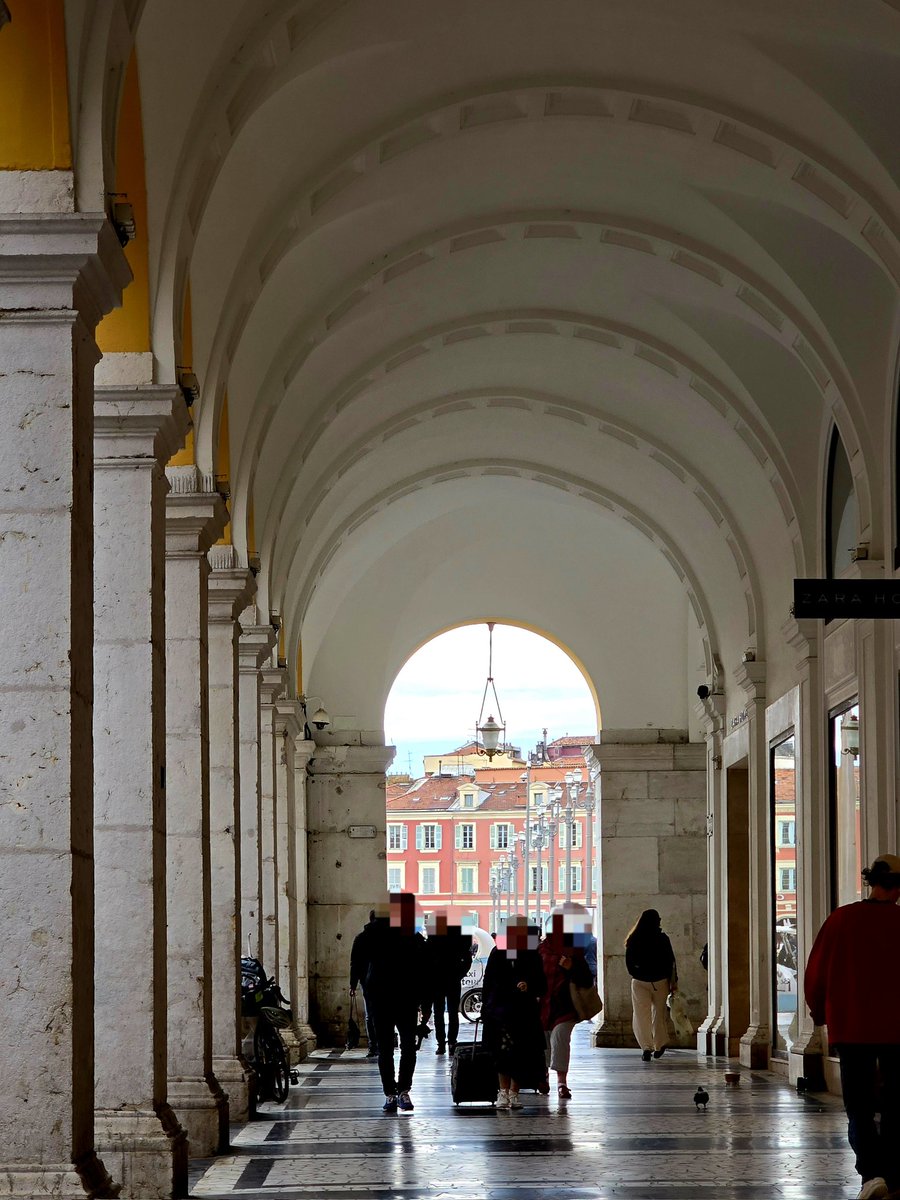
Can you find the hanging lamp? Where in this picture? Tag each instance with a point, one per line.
(488, 732)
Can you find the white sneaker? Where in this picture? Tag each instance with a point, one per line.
(873, 1189)
(514, 1101)
(502, 1099)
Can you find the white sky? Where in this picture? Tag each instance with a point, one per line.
(434, 703)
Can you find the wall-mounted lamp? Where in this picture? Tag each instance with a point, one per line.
(123, 221)
(190, 386)
(319, 717)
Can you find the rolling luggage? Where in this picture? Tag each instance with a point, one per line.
(473, 1074)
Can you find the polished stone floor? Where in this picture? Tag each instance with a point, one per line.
(630, 1132)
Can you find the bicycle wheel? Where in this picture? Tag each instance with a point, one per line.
(470, 1004)
(272, 1072)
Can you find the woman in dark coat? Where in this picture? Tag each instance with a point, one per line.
(650, 962)
(512, 989)
(564, 963)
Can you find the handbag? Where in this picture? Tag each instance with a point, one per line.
(352, 1027)
(585, 1000)
(678, 1013)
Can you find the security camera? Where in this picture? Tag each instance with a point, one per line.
(703, 691)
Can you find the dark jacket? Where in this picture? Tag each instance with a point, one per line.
(360, 952)
(651, 958)
(502, 1000)
(449, 957)
(398, 968)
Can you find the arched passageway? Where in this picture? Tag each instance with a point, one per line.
(327, 325)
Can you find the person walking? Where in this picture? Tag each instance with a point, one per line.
(397, 985)
(564, 962)
(512, 989)
(450, 959)
(359, 965)
(852, 985)
(650, 961)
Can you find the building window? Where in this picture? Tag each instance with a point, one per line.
(841, 511)
(846, 863)
(545, 877)
(428, 837)
(395, 879)
(500, 837)
(469, 800)
(537, 798)
(468, 882)
(576, 877)
(783, 810)
(428, 881)
(576, 835)
(465, 837)
(397, 837)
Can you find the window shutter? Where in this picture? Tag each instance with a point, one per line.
(420, 837)
(473, 829)
(459, 837)
(493, 837)
(404, 838)
(437, 837)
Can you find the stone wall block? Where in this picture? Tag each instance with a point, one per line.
(638, 817)
(690, 785)
(682, 864)
(690, 816)
(625, 785)
(630, 864)
(638, 758)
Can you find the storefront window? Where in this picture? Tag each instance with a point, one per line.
(783, 783)
(846, 863)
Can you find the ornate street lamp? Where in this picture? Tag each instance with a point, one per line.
(488, 732)
(573, 786)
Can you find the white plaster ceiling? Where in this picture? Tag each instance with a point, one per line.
(583, 264)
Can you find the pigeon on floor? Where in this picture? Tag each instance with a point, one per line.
(701, 1098)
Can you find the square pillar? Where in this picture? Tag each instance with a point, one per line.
(62, 272)
(346, 874)
(652, 819)
(299, 884)
(229, 588)
(272, 682)
(135, 432)
(195, 516)
(254, 646)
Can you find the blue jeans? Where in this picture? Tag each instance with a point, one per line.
(870, 1083)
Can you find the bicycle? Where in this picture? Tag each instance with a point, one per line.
(262, 1000)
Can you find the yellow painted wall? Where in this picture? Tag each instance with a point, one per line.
(128, 328)
(34, 102)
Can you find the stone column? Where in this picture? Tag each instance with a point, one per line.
(711, 1035)
(135, 432)
(346, 874)
(299, 884)
(271, 686)
(59, 273)
(813, 837)
(254, 645)
(195, 515)
(229, 588)
(652, 819)
(287, 731)
(756, 1042)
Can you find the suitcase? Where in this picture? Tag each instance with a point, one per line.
(473, 1073)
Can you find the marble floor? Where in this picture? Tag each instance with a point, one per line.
(630, 1132)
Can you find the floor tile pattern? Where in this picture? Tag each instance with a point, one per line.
(631, 1132)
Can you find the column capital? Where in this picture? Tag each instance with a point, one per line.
(272, 683)
(193, 521)
(351, 760)
(303, 752)
(254, 646)
(802, 636)
(287, 718)
(711, 714)
(229, 587)
(61, 261)
(751, 677)
(133, 425)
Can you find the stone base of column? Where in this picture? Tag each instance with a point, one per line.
(57, 1181)
(806, 1061)
(614, 1033)
(202, 1110)
(306, 1039)
(237, 1080)
(754, 1052)
(144, 1151)
(291, 1045)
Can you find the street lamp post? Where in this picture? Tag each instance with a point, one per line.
(527, 840)
(514, 864)
(573, 784)
(553, 810)
(589, 813)
(495, 909)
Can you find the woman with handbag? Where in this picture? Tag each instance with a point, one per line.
(513, 986)
(650, 961)
(565, 969)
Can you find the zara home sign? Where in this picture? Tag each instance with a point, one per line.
(835, 599)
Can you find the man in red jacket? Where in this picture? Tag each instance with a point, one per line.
(852, 985)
